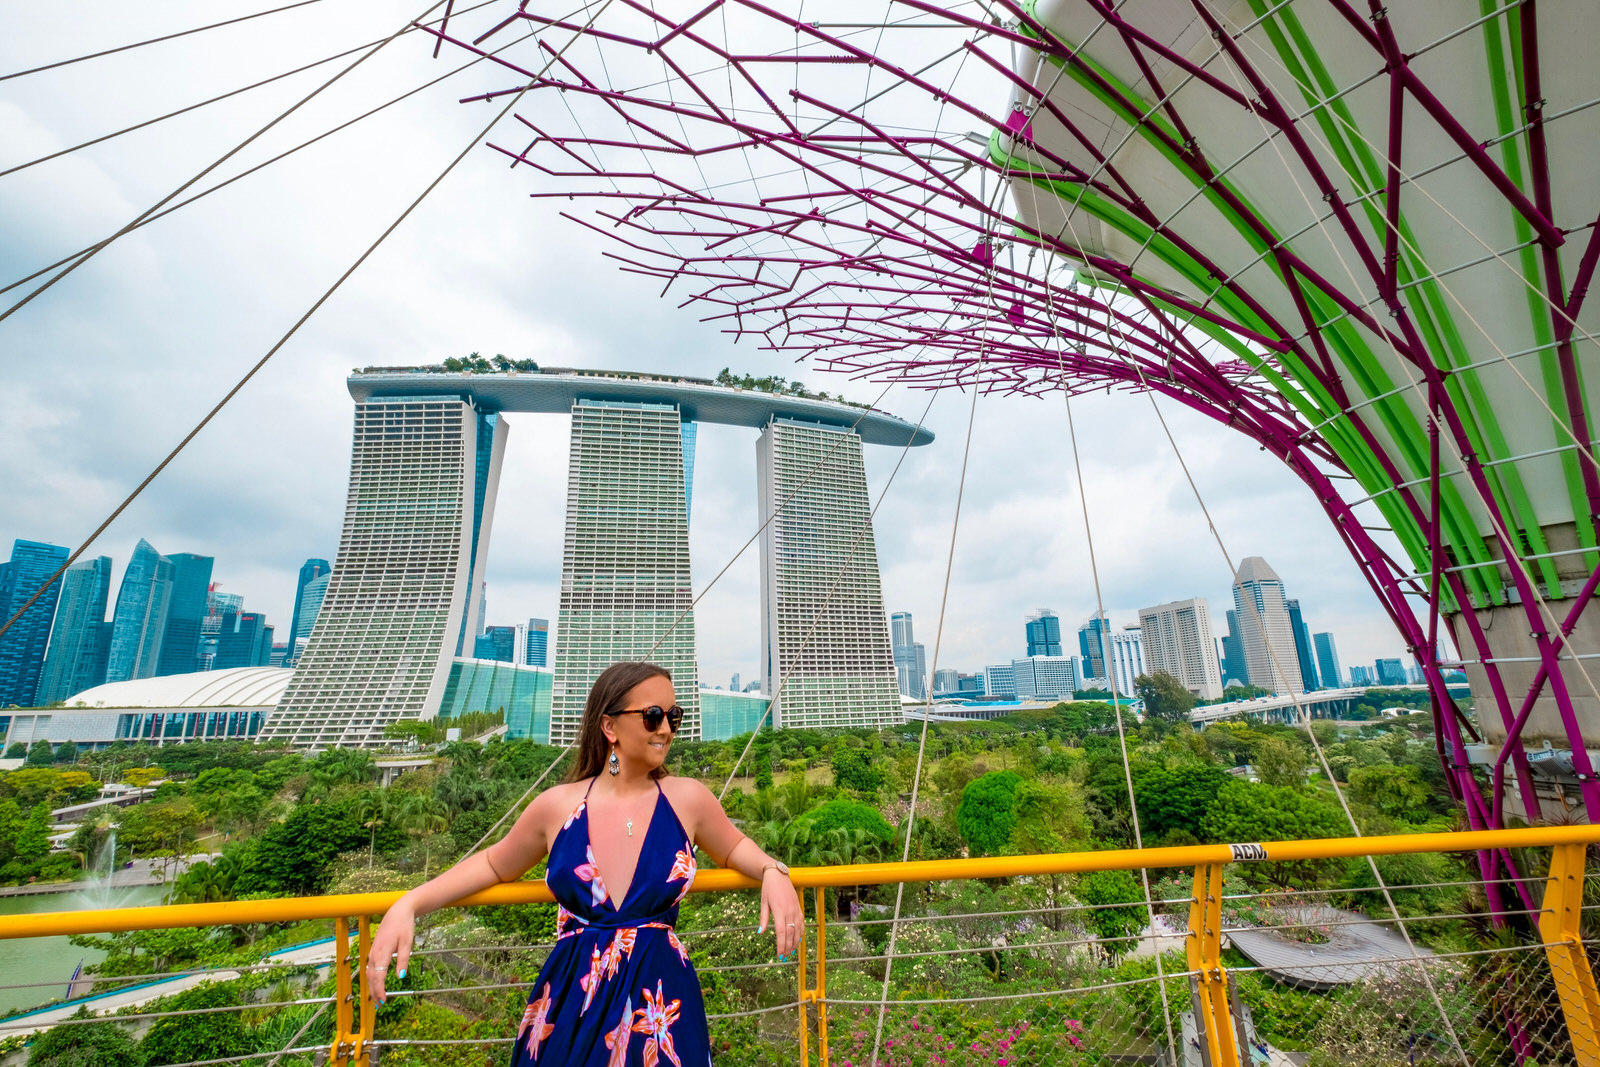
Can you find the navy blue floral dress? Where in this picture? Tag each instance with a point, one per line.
(618, 989)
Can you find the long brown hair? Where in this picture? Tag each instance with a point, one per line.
(606, 695)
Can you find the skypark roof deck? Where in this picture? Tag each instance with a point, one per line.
(554, 390)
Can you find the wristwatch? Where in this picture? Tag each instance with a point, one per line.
(776, 865)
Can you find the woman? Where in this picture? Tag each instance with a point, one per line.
(618, 989)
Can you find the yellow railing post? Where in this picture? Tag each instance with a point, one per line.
(1563, 945)
(1204, 951)
(369, 1008)
(343, 1007)
(800, 981)
(820, 993)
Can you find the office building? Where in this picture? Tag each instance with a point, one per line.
(1266, 632)
(971, 684)
(733, 683)
(299, 625)
(218, 604)
(1361, 676)
(1092, 645)
(1328, 669)
(496, 643)
(536, 650)
(1000, 680)
(1234, 670)
(826, 658)
(1043, 631)
(946, 681)
(1176, 638)
(1038, 677)
(726, 715)
(22, 648)
(423, 475)
(1389, 672)
(140, 618)
(81, 636)
(186, 613)
(244, 640)
(1127, 658)
(910, 660)
(520, 693)
(625, 586)
(1303, 652)
(306, 610)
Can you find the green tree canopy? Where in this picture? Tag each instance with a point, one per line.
(841, 813)
(1279, 761)
(1165, 698)
(186, 1038)
(1115, 926)
(67, 752)
(292, 857)
(84, 1045)
(853, 768)
(1397, 792)
(1248, 812)
(987, 813)
(41, 754)
(1178, 800)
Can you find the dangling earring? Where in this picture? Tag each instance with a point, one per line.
(613, 764)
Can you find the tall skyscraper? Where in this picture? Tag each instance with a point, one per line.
(1000, 680)
(625, 583)
(824, 631)
(186, 613)
(496, 643)
(910, 663)
(1302, 644)
(306, 610)
(1232, 659)
(946, 681)
(1092, 645)
(1127, 658)
(1360, 675)
(1265, 629)
(1044, 633)
(1389, 672)
(1042, 677)
(299, 627)
(81, 636)
(423, 475)
(537, 653)
(245, 640)
(1176, 638)
(1328, 668)
(22, 648)
(140, 619)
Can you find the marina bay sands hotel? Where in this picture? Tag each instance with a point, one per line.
(403, 600)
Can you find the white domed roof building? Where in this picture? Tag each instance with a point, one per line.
(202, 706)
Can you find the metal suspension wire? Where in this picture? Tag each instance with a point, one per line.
(154, 40)
(229, 154)
(262, 362)
(204, 103)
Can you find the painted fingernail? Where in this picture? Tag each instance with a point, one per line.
(402, 972)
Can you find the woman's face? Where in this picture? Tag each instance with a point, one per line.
(637, 746)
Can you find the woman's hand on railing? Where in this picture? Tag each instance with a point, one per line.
(781, 904)
(392, 942)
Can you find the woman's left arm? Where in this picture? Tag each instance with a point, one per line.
(724, 843)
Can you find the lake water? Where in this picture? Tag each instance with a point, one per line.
(53, 959)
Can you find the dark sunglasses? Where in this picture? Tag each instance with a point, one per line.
(652, 716)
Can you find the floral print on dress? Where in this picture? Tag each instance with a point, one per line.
(677, 946)
(590, 872)
(683, 866)
(577, 811)
(617, 1040)
(533, 1022)
(656, 1019)
(603, 965)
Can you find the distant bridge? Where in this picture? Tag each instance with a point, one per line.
(1322, 704)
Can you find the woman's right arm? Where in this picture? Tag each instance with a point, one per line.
(504, 861)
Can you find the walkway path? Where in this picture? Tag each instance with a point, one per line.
(143, 872)
(42, 1019)
(1357, 948)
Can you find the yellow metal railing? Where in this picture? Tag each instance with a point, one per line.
(356, 1013)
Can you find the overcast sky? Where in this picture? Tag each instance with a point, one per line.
(102, 374)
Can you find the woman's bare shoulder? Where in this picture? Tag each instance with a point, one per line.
(558, 799)
(689, 796)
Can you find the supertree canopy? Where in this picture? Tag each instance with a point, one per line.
(1361, 236)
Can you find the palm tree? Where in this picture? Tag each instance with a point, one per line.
(420, 815)
(374, 808)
